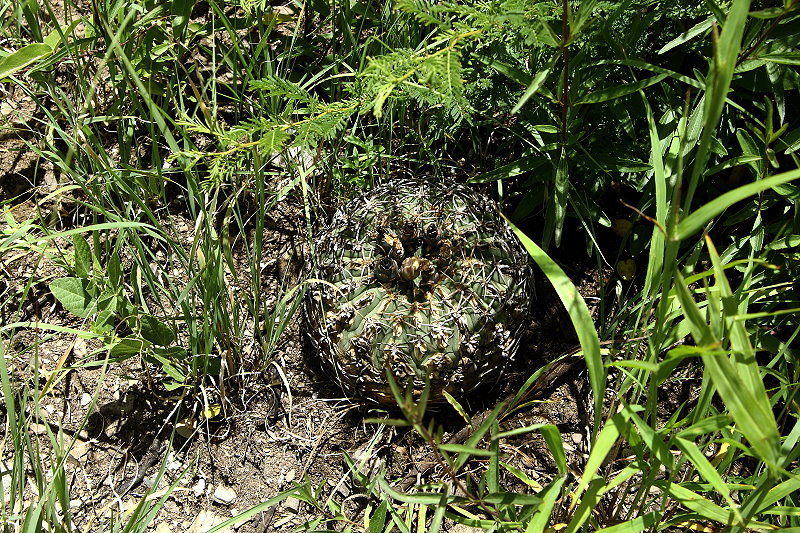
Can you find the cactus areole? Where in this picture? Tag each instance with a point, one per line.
(423, 279)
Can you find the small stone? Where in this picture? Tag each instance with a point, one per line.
(163, 527)
(206, 520)
(79, 450)
(290, 475)
(86, 399)
(224, 495)
(292, 504)
(200, 487)
(576, 437)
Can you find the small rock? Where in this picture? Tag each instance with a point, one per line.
(173, 463)
(576, 437)
(224, 495)
(200, 487)
(79, 450)
(292, 504)
(163, 527)
(290, 475)
(86, 399)
(206, 520)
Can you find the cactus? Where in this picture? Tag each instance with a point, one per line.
(422, 278)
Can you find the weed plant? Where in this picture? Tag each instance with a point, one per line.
(671, 125)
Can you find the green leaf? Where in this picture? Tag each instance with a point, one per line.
(553, 439)
(726, 53)
(520, 166)
(155, 331)
(537, 82)
(114, 271)
(549, 496)
(600, 447)
(83, 256)
(468, 450)
(618, 91)
(709, 473)
(688, 35)
(782, 59)
(701, 216)
(23, 57)
(128, 347)
(75, 294)
(647, 521)
(378, 519)
(579, 315)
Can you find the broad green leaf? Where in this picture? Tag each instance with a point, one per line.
(16, 61)
(579, 315)
(378, 519)
(155, 331)
(75, 294)
(83, 256)
(114, 271)
(129, 346)
(618, 91)
(701, 216)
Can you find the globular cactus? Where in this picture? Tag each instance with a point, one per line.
(420, 277)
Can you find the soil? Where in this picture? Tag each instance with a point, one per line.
(287, 424)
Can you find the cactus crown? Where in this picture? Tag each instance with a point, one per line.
(424, 279)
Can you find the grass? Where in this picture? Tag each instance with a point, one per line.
(152, 113)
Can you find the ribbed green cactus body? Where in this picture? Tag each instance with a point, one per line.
(422, 278)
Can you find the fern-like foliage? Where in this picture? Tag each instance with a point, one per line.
(430, 79)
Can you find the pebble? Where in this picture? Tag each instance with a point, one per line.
(224, 495)
(577, 437)
(292, 504)
(86, 399)
(200, 487)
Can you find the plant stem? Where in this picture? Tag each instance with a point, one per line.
(565, 51)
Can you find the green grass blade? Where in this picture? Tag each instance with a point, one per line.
(541, 518)
(602, 445)
(636, 525)
(747, 412)
(764, 435)
(709, 473)
(726, 52)
(701, 216)
(580, 317)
